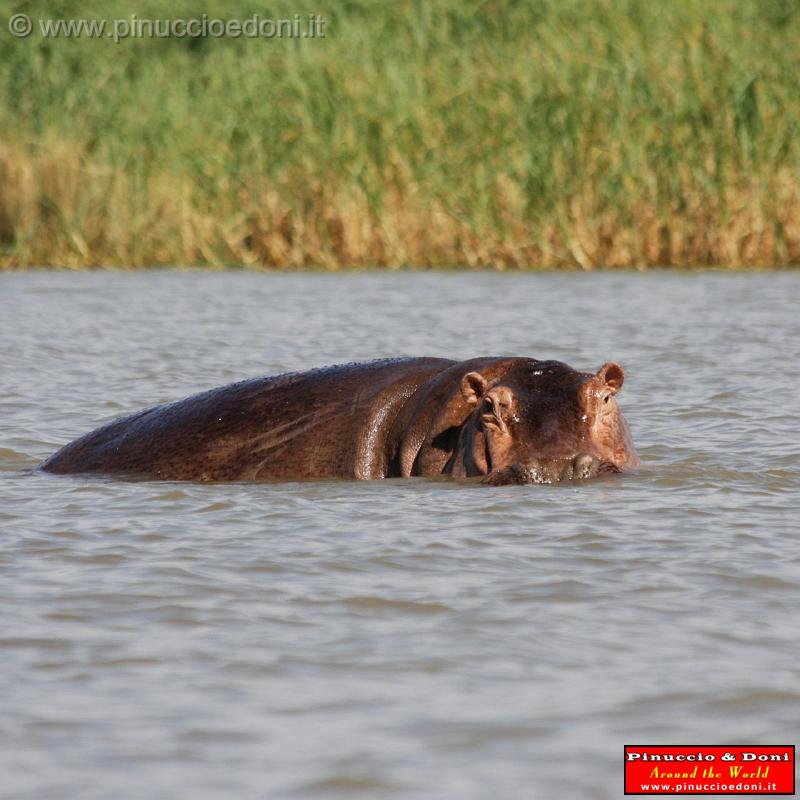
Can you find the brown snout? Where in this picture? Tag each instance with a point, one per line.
(550, 470)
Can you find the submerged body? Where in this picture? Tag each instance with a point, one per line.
(513, 420)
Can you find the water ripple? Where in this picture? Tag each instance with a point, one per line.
(406, 638)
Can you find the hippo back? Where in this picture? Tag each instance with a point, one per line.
(328, 422)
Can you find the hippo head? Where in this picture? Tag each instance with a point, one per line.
(543, 422)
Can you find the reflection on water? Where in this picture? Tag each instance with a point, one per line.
(400, 638)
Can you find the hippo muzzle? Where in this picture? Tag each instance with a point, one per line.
(551, 470)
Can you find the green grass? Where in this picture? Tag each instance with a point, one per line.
(449, 133)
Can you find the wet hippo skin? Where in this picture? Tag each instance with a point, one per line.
(512, 420)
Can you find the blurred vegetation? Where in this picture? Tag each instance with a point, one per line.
(422, 133)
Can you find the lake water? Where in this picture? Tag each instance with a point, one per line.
(395, 639)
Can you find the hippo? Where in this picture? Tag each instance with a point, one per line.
(510, 420)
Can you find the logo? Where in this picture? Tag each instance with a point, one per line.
(709, 769)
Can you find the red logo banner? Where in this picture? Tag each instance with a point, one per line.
(709, 769)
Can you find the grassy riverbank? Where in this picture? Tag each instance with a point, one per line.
(451, 133)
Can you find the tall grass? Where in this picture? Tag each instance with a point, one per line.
(448, 133)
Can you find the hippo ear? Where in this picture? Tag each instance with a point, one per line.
(611, 375)
(473, 387)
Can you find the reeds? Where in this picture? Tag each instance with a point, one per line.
(433, 134)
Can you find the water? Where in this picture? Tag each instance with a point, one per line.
(395, 639)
